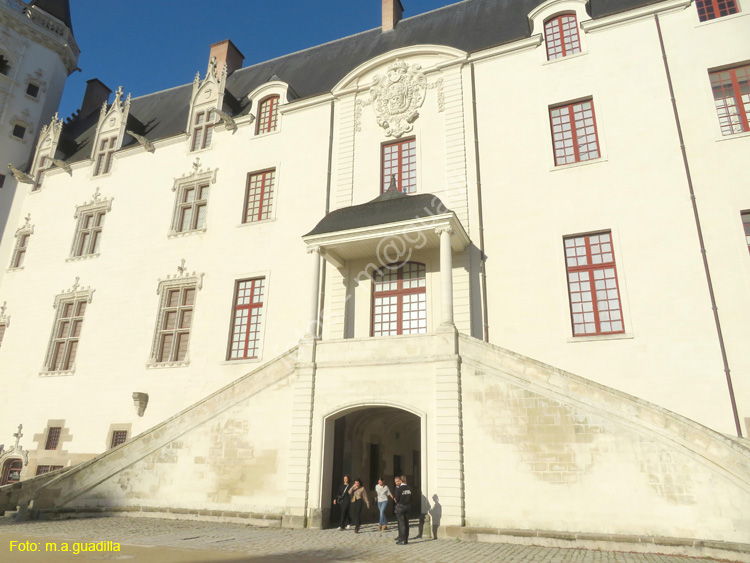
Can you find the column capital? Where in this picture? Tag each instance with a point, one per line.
(316, 249)
(445, 229)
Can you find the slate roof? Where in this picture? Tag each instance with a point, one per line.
(389, 207)
(470, 25)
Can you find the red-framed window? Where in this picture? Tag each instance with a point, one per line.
(42, 469)
(118, 437)
(399, 300)
(574, 136)
(731, 88)
(40, 173)
(19, 252)
(53, 438)
(67, 332)
(712, 9)
(203, 130)
(400, 161)
(268, 115)
(175, 322)
(192, 207)
(11, 471)
(246, 322)
(259, 196)
(746, 225)
(88, 233)
(595, 306)
(561, 36)
(104, 156)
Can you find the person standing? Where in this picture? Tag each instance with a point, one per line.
(383, 492)
(344, 500)
(359, 497)
(402, 498)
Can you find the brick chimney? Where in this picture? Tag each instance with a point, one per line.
(226, 52)
(392, 10)
(96, 94)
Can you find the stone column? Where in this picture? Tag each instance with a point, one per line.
(446, 276)
(312, 318)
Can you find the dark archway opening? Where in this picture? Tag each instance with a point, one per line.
(376, 442)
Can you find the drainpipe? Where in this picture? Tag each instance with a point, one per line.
(483, 257)
(322, 299)
(700, 231)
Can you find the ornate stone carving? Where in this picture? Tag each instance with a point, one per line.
(4, 317)
(183, 277)
(397, 96)
(145, 143)
(20, 176)
(75, 292)
(140, 400)
(97, 202)
(16, 450)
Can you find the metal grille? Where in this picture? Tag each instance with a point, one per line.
(53, 438)
(574, 136)
(400, 300)
(268, 115)
(248, 312)
(66, 334)
(731, 89)
(175, 321)
(400, 160)
(711, 9)
(119, 437)
(259, 197)
(561, 37)
(592, 285)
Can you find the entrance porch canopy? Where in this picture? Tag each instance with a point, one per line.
(381, 227)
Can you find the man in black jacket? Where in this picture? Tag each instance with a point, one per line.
(402, 498)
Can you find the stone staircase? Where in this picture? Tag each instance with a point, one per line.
(54, 490)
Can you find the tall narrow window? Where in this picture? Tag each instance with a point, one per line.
(248, 313)
(65, 335)
(574, 135)
(11, 472)
(400, 161)
(202, 130)
(268, 115)
(53, 438)
(592, 285)
(259, 196)
(118, 437)
(104, 156)
(174, 324)
(712, 9)
(192, 207)
(19, 252)
(39, 177)
(399, 300)
(3, 326)
(561, 36)
(88, 233)
(746, 225)
(731, 89)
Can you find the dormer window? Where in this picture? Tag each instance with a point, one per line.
(268, 115)
(104, 156)
(561, 36)
(712, 9)
(202, 130)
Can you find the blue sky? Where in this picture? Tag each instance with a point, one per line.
(151, 45)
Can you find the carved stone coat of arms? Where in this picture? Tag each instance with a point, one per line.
(397, 95)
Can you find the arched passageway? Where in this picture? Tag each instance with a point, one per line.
(373, 442)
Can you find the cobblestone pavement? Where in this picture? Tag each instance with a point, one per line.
(160, 541)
